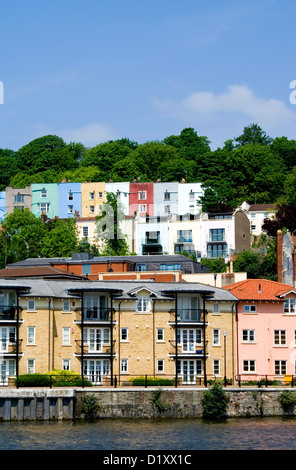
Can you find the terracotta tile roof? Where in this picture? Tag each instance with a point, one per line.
(258, 289)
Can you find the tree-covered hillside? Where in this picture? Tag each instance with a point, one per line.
(251, 167)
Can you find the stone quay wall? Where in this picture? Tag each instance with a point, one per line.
(66, 404)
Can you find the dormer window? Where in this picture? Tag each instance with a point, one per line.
(143, 304)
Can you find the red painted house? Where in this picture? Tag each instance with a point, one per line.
(142, 198)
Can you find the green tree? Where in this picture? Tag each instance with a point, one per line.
(22, 236)
(108, 227)
(8, 167)
(253, 134)
(61, 238)
(48, 152)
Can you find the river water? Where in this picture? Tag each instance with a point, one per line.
(151, 434)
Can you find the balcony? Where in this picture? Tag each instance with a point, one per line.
(8, 313)
(94, 347)
(188, 315)
(10, 347)
(187, 348)
(94, 314)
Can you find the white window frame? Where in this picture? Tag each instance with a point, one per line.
(30, 366)
(160, 335)
(70, 209)
(160, 365)
(66, 364)
(31, 331)
(248, 336)
(70, 196)
(216, 337)
(281, 365)
(124, 334)
(216, 367)
(250, 308)
(66, 306)
(249, 366)
(142, 195)
(124, 366)
(216, 308)
(143, 208)
(143, 304)
(279, 338)
(66, 336)
(43, 193)
(290, 306)
(33, 307)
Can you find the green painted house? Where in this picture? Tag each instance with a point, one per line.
(45, 198)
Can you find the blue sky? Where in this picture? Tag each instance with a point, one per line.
(96, 70)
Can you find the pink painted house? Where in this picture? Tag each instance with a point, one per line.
(266, 329)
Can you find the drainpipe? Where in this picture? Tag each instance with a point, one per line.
(49, 334)
(204, 328)
(111, 365)
(119, 311)
(17, 337)
(82, 338)
(176, 338)
(153, 335)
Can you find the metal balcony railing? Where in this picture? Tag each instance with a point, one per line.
(188, 315)
(94, 314)
(187, 347)
(94, 347)
(8, 312)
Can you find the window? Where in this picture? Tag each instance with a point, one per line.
(280, 338)
(167, 196)
(184, 236)
(66, 336)
(170, 267)
(70, 209)
(100, 195)
(66, 364)
(31, 305)
(124, 365)
(31, 366)
(280, 367)
(92, 195)
(92, 209)
(66, 306)
(216, 367)
(43, 193)
(85, 231)
(43, 207)
(124, 334)
(160, 334)
(19, 198)
(142, 195)
(216, 308)
(85, 269)
(142, 267)
(160, 365)
(31, 335)
(249, 366)
(250, 308)
(142, 304)
(217, 235)
(167, 209)
(249, 336)
(143, 208)
(216, 336)
(290, 306)
(70, 196)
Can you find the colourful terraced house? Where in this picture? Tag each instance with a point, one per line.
(266, 329)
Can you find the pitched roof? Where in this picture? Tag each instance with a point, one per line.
(37, 271)
(259, 289)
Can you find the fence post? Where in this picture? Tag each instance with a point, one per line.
(145, 381)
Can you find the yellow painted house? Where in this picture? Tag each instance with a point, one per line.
(113, 331)
(92, 198)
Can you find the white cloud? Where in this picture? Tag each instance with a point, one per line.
(89, 135)
(217, 113)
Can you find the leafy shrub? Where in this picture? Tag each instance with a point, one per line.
(287, 400)
(151, 381)
(214, 403)
(33, 380)
(90, 406)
